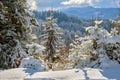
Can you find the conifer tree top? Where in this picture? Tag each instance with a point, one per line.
(97, 23)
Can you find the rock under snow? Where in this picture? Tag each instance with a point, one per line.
(33, 64)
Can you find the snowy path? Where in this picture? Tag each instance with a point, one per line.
(73, 74)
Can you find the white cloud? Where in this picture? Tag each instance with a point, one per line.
(43, 5)
(33, 5)
(79, 2)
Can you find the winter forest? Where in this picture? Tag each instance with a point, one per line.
(56, 44)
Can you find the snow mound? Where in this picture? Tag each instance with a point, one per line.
(32, 64)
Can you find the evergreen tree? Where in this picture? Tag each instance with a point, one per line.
(80, 51)
(51, 38)
(15, 28)
(74, 52)
(113, 45)
(99, 57)
(117, 25)
(114, 31)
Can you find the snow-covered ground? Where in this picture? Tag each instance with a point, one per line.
(73, 74)
(111, 73)
(16, 74)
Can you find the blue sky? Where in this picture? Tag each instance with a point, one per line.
(62, 4)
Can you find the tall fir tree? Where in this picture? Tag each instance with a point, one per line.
(51, 38)
(15, 28)
(74, 51)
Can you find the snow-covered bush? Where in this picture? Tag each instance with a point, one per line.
(35, 50)
(32, 63)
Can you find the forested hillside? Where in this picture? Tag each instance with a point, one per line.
(91, 12)
(71, 23)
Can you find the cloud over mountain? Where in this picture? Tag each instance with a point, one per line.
(69, 2)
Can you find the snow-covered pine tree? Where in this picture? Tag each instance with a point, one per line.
(117, 25)
(113, 45)
(74, 52)
(15, 27)
(80, 51)
(51, 38)
(114, 32)
(98, 35)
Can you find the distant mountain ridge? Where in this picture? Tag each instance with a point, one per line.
(90, 12)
